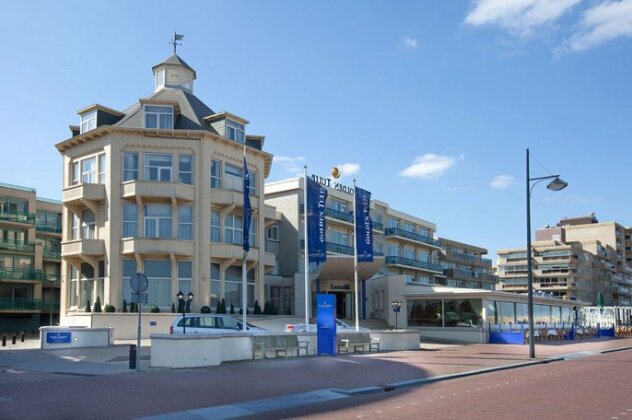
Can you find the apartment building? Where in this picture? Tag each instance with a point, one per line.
(576, 259)
(464, 265)
(157, 188)
(404, 246)
(30, 258)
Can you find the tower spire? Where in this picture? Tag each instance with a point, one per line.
(176, 37)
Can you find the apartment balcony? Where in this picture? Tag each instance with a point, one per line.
(158, 189)
(339, 248)
(20, 305)
(227, 198)
(17, 217)
(83, 248)
(48, 228)
(235, 252)
(17, 246)
(52, 254)
(378, 226)
(460, 257)
(84, 196)
(414, 237)
(409, 263)
(339, 215)
(20, 273)
(156, 246)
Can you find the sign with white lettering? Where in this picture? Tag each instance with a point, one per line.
(58, 337)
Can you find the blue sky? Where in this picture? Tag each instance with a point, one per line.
(429, 105)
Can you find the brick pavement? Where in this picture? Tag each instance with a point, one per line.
(26, 392)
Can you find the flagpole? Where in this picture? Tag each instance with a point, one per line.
(355, 258)
(244, 282)
(305, 235)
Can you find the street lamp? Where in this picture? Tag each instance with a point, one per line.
(52, 279)
(184, 305)
(397, 306)
(556, 184)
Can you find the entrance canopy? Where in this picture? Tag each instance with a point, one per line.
(340, 267)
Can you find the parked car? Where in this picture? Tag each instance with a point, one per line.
(210, 324)
(340, 326)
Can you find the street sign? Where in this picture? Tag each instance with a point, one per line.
(139, 298)
(138, 282)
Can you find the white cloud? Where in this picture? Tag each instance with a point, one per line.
(291, 165)
(519, 17)
(429, 166)
(602, 23)
(410, 43)
(502, 182)
(348, 169)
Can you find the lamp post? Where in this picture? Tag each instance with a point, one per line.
(556, 184)
(183, 304)
(397, 306)
(52, 279)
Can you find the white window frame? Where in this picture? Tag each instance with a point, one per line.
(233, 228)
(157, 220)
(75, 173)
(159, 111)
(182, 280)
(218, 176)
(163, 173)
(340, 205)
(235, 131)
(75, 222)
(183, 172)
(88, 121)
(216, 227)
(273, 233)
(88, 228)
(182, 225)
(133, 224)
(102, 164)
(89, 176)
(132, 171)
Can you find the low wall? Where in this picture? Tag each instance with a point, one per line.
(455, 334)
(64, 337)
(185, 351)
(125, 324)
(391, 340)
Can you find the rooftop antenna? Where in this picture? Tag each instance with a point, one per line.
(176, 37)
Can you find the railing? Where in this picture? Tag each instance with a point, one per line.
(53, 254)
(47, 227)
(410, 235)
(340, 215)
(18, 216)
(21, 273)
(475, 259)
(413, 263)
(378, 226)
(20, 304)
(17, 246)
(339, 248)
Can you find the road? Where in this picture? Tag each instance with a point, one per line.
(596, 387)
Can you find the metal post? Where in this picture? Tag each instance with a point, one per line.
(529, 272)
(355, 260)
(184, 318)
(396, 320)
(140, 310)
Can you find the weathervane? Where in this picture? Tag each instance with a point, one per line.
(176, 37)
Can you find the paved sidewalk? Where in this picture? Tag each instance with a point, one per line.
(59, 383)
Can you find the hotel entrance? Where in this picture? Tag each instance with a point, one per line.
(344, 305)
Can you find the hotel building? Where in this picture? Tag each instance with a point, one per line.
(157, 188)
(576, 259)
(30, 258)
(465, 266)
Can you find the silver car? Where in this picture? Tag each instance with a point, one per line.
(210, 324)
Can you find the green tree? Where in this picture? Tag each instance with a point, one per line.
(88, 306)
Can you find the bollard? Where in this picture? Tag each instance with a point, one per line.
(132, 356)
(22, 338)
(4, 341)
(13, 341)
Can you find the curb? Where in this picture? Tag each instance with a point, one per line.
(616, 349)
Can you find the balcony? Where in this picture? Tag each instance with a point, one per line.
(52, 253)
(401, 233)
(224, 197)
(406, 262)
(84, 195)
(378, 226)
(17, 217)
(468, 259)
(230, 251)
(48, 227)
(158, 189)
(156, 246)
(16, 304)
(20, 273)
(17, 246)
(83, 247)
(339, 215)
(339, 248)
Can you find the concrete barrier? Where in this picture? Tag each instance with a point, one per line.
(391, 340)
(66, 337)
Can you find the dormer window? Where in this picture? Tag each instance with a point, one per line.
(88, 121)
(235, 131)
(159, 117)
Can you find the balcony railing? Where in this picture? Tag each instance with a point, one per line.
(413, 263)
(17, 246)
(52, 253)
(340, 215)
(17, 216)
(412, 236)
(378, 226)
(473, 259)
(48, 227)
(339, 248)
(20, 304)
(20, 273)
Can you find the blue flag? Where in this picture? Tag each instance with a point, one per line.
(316, 223)
(364, 225)
(247, 210)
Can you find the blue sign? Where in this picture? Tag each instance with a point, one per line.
(58, 337)
(316, 223)
(364, 225)
(326, 325)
